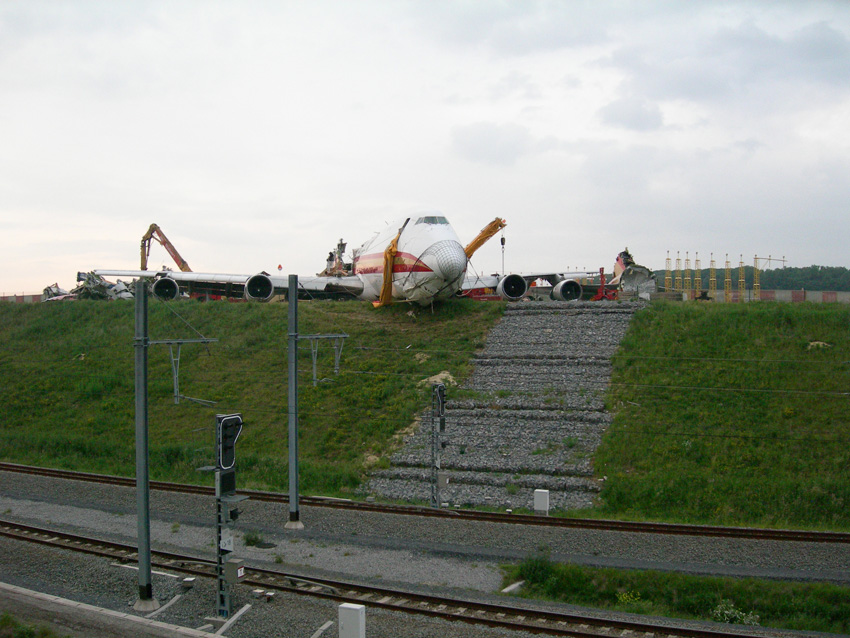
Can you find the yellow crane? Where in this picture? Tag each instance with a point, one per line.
(155, 233)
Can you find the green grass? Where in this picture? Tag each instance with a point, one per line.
(723, 412)
(788, 605)
(253, 539)
(10, 627)
(67, 385)
(726, 414)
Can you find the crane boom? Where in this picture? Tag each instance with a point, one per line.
(486, 233)
(155, 232)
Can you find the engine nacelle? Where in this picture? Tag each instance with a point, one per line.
(258, 288)
(512, 287)
(567, 290)
(165, 288)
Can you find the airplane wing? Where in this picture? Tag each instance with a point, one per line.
(565, 286)
(168, 284)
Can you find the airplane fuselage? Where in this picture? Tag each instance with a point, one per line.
(429, 262)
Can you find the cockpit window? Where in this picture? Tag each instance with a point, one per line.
(432, 220)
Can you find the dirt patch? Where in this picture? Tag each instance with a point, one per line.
(445, 377)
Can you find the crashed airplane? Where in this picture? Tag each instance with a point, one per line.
(415, 259)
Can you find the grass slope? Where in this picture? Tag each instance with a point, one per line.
(724, 413)
(731, 414)
(749, 601)
(67, 384)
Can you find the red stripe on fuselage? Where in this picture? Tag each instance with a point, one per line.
(374, 263)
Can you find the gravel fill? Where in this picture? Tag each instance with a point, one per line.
(419, 554)
(538, 418)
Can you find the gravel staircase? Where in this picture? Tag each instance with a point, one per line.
(536, 419)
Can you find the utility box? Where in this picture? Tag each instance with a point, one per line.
(352, 621)
(541, 502)
(234, 570)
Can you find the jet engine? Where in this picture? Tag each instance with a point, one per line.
(512, 287)
(258, 288)
(165, 288)
(567, 290)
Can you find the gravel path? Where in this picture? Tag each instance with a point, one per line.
(537, 418)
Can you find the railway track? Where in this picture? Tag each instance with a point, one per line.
(468, 515)
(507, 616)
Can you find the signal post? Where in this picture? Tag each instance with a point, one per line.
(229, 570)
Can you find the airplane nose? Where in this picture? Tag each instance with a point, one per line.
(450, 259)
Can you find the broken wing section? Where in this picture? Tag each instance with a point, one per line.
(261, 286)
(633, 278)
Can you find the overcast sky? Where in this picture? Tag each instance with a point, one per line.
(257, 134)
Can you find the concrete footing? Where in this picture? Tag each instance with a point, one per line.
(65, 616)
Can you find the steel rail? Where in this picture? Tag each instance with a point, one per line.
(676, 529)
(507, 616)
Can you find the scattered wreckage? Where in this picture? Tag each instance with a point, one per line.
(91, 286)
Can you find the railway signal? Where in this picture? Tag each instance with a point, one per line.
(229, 570)
(228, 427)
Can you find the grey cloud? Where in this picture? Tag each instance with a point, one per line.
(749, 145)
(740, 61)
(515, 28)
(815, 52)
(515, 84)
(822, 52)
(490, 143)
(635, 113)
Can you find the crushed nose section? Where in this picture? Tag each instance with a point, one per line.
(438, 273)
(449, 259)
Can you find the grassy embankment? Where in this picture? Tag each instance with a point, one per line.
(731, 414)
(727, 414)
(67, 387)
(724, 413)
(789, 605)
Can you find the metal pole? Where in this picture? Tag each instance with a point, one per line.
(146, 600)
(292, 405)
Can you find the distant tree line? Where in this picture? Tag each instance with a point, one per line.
(809, 278)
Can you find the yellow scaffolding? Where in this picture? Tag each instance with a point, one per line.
(756, 282)
(688, 286)
(668, 275)
(742, 280)
(712, 278)
(758, 266)
(727, 284)
(678, 285)
(697, 274)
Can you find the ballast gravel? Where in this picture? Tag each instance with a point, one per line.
(537, 417)
(416, 553)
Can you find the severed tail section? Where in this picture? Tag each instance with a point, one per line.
(633, 277)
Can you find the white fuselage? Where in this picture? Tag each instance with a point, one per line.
(430, 262)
